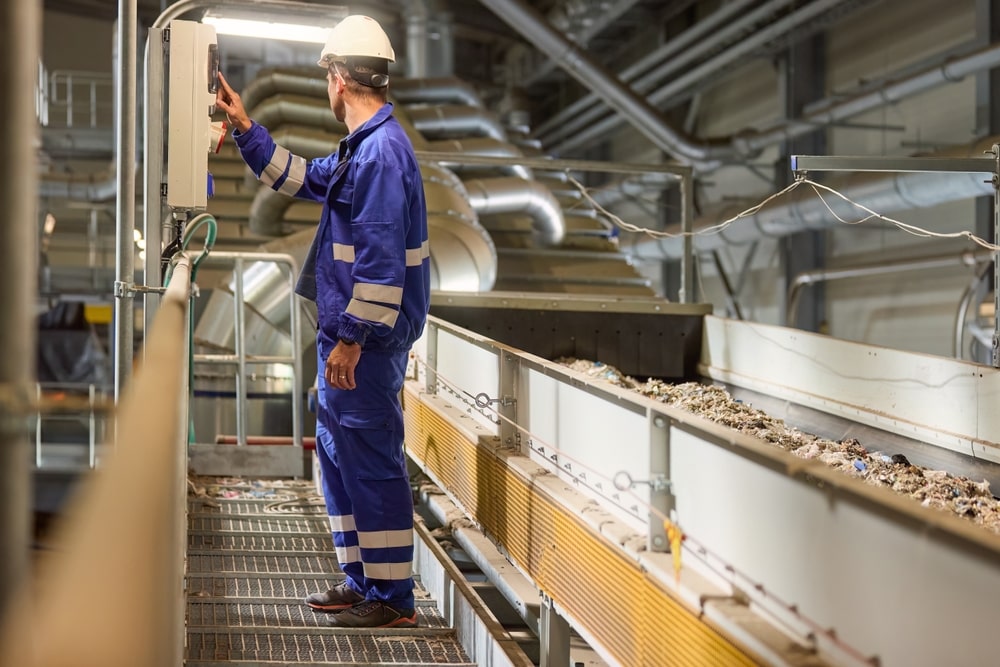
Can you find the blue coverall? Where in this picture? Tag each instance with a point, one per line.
(368, 271)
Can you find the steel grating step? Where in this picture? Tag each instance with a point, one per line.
(249, 564)
(374, 647)
(263, 564)
(284, 507)
(259, 524)
(287, 586)
(243, 541)
(290, 614)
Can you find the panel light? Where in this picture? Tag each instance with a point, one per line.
(289, 32)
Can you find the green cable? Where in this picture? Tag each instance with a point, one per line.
(210, 235)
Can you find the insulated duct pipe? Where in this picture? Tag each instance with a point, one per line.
(297, 110)
(482, 146)
(456, 120)
(95, 187)
(692, 76)
(513, 195)
(272, 82)
(633, 107)
(802, 210)
(437, 90)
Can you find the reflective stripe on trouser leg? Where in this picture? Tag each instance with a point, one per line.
(338, 506)
(366, 425)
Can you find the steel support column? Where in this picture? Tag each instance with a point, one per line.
(19, 27)
(125, 143)
(804, 77)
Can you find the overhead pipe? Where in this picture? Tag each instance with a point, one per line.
(491, 196)
(802, 210)
(952, 71)
(741, 49)
(602, 15)
(816, 276)
(416, 15)
(725, 25)
(831, 112)
(632, 107)
(456, 120)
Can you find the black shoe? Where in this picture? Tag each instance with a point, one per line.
(337, 598)
(374, 614)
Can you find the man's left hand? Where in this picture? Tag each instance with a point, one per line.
(340, 365)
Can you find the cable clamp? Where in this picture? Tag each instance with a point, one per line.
(623, 482)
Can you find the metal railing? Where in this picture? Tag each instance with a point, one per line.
(77, 99)
(77, 408)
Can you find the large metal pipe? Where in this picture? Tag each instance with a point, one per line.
(490, 196)
(456, 120)
(435, 90)
(699, 41)
(806, 278)
(592, 19)
(483, 146)
(272, 82)
(632, 107)
(740, 50)
(19, 50)
(890, 92)
(802, 210)
(280, 110)
(125, 142)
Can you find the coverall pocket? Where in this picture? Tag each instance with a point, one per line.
(371, 446)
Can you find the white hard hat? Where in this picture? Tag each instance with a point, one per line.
(356, 35)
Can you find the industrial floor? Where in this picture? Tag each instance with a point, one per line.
(252, 557)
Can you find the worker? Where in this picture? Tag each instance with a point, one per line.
(368, 270)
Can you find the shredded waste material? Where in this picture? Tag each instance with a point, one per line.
(937, 489)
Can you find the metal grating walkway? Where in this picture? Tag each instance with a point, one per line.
(249, 564)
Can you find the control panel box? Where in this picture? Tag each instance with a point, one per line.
(191, 134)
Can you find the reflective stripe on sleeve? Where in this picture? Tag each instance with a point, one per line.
(345, 253)
(296, 176)
(416, 256)
(276, 167)
(372, 312)
(383, 293)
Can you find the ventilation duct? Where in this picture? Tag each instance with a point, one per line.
(272, 82)
(439, 90)
(482, 146)
(442, 122)
(513, 195)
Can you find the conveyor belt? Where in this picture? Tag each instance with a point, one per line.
(825, 425)
(250, 563)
